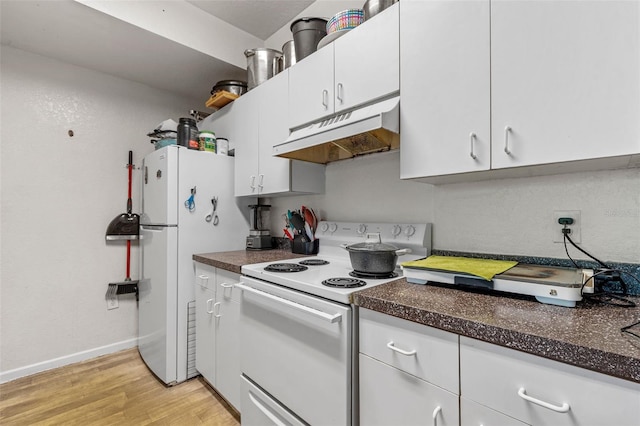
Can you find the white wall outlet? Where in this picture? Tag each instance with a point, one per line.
(112, 302)
(576, 235)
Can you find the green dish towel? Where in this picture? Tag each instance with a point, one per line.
(484, 268)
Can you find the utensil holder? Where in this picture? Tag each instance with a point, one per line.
(304, 247)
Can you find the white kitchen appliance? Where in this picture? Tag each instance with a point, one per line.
(548, 284)
(299, 327)
(188, 207)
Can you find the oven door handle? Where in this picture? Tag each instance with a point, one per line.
(332, 318)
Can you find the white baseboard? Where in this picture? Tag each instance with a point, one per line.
(7, 376)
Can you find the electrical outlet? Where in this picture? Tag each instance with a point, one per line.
(575, 233)
(112, 303)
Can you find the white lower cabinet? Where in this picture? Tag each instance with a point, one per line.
(389, 396)
(217, 343)
(227, 340)
(539, 391)
(474, 414)
(408, 373)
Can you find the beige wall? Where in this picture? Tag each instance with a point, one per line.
(506, 216)
(59, 193)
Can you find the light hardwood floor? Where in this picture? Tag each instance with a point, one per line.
(115, 389)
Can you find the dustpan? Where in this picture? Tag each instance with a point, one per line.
(127, 225)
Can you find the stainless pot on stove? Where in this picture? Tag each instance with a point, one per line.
(374, 257)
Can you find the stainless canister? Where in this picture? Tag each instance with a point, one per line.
(288, 54)
(262, 64)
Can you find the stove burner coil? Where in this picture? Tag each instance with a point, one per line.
(314, 262)
(285, 267)
(343, 282)
(372, 275)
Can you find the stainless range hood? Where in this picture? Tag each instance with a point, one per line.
(372, 128)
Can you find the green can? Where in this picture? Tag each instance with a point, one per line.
(207, 141)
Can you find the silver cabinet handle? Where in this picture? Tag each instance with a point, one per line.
(472, 137)
(558, 409)
(435, 415)
(391, 346)
(216, 308)
(260, 182)
(339, 93)
(225, 285)
(507, 130)
(209, 310)
(325, 99)
(332, 318)
(252, 183)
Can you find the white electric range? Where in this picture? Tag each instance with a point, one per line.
(299, 334)
(329, 274)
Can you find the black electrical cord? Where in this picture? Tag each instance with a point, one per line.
(568, 238)
(627, 329)
(618, 301)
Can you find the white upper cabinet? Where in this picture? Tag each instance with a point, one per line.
(244, 135)
(273, 172)
(366, 61)
(254, 123)
(355, 69)
(565, 77)
(445, 92)
(498, 85)
(311, 87)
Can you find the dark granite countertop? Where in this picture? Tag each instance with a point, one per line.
(586, 336)
(233, 260)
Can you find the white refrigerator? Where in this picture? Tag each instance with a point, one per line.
(176, 221)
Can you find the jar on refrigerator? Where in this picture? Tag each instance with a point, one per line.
(188, 133)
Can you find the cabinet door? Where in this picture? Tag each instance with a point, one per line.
(227, 338)
(445, 102)
(473, 414)
(389, 396)
(311, 87)
(274, 172)
(565, 78)
(425, 352)
(205, 329)
(245, 129)
(228, 352)
(367, 61)
(541, 391)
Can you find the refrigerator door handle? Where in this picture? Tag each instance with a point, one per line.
(155, 228)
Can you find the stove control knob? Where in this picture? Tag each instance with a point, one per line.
(362, 228)
(409, 231)
(324, 227)
(397, 230)
(333, 227)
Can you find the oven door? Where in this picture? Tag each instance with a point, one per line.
(297, 348)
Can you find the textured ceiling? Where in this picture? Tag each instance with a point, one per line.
(260, 18)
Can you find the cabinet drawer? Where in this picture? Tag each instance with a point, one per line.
(520, 384)
(205, 276)
(474, 414)
(389, 396)
(425, 352)
(226, 291)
